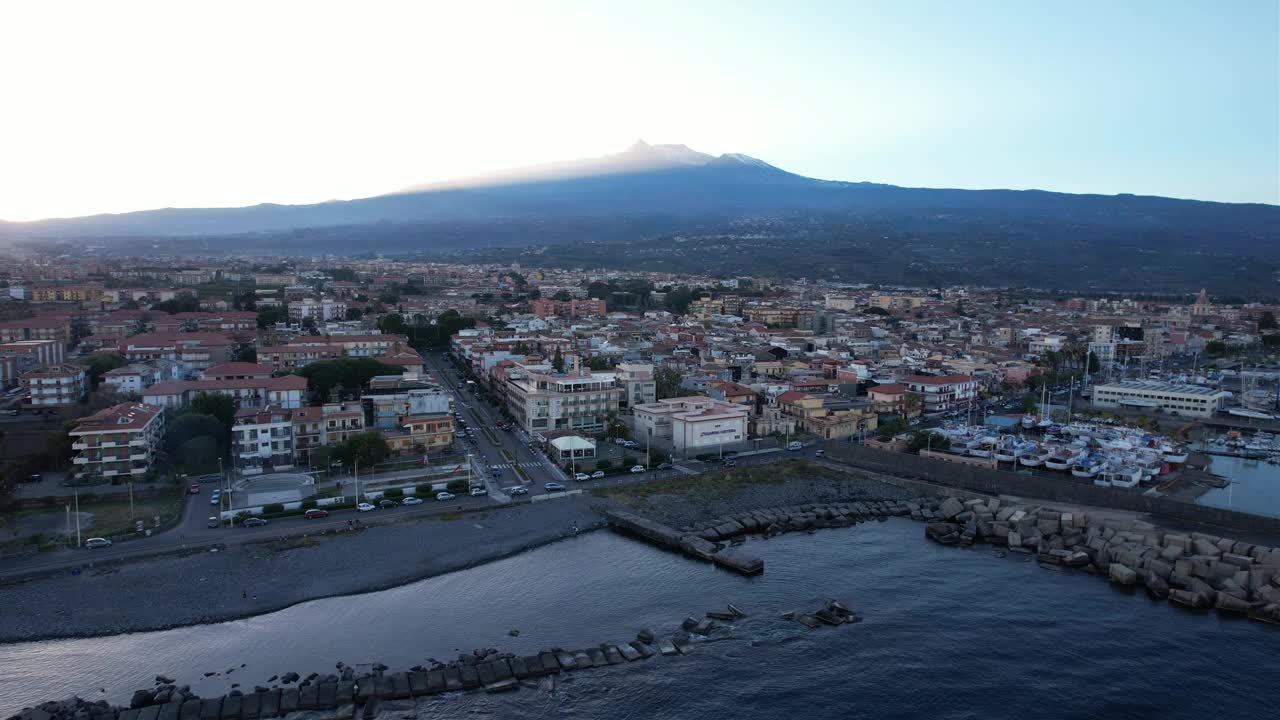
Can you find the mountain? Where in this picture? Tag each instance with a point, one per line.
(653, 191)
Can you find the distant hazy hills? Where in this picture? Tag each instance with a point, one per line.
(651, 190)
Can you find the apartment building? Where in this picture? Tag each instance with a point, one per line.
(321, 311)
(286, 391)
(893, 399)
(136, 377)
(330, 424)
(542, 401)
(55, 386)
(262, 439)
(193, 351)
(308, 349)
(24, 356)
(692, 425)
(828, 417)
(637, 384)
(1174, 398)
(119, 441)
(572, 308)
(943, 393)
(387, 409)
(421, 434)
(42, 327)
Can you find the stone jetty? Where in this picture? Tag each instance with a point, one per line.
(691, 544)
(349, 695)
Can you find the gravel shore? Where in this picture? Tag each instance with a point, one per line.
(253, 579)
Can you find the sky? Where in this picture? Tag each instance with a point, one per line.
(111, 107)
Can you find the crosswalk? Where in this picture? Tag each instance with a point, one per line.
(525, 465)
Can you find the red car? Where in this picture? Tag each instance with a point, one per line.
(194, 489)
(315, 514)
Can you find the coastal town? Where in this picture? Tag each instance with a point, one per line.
(284, 387)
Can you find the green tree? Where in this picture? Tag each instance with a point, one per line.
(923, 439)
(325, 375)
(354, 313)
(392, 323)
(269, 316)
(368, 448)
(874, 311)
(557, 360)
(191, 425)
(667, 383)
(246, 353)
(1215, 348)
(198, 453)
(183, 302)
(222, 407)
(98, 363)
(599, 364)
(1267, 321)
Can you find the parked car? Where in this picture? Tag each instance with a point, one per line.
(630, 443)
(365, 507)
(665, 466)
(730, 463)
(387, 503)
(497, 472)
(518, 490)
(581, 477)
(194, 489)
(92, 543)
(411, 500)
(637, 468)
(819, 452)
(34, 478)
(213, 522)
(315, 514)
(553, 487)
(619, 441)
(794, 445)
(597, 475)
(253, 522)
(442, 496)
(478, 491)
(215, 498)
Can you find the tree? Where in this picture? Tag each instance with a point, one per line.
(604, 465)
(183, 302)
(1267, 321)
(562, 296)
(272, 315)
(354, 313)
(191, 425)
(367, 448)
(246, 353)
(324, 376)
(667, 383)
(599, 364)
(222, 407)
(98, 363)
(1215, 348)
(198, 452)
(309, 325)
(875, 311)
(1271, 340)
(925, 440)
(891, 427)
(557, 360)
(392, 323)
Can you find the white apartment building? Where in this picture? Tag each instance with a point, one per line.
(263, 439)
(692, 425)
(541, 401)
(323, 310)
(120, 440)
(637, 384)
(1173, 398)
(56, 386)
(943, 393)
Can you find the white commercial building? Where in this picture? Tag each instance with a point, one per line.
(692, 425)
(1189, 400)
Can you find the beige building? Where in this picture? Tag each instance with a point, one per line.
(542, 402)
(56, 386)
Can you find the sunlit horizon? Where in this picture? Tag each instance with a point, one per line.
(131, 106)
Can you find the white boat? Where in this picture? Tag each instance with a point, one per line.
(1059, 458)
(1177, 456)
(1086, 468)
(1124, 476)
(1034, 458)
(1102, 481)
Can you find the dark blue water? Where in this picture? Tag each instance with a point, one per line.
(948, 632)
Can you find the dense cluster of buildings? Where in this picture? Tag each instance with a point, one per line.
(691, 363)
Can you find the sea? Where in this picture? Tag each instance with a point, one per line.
(1254, 488)
(948, 632)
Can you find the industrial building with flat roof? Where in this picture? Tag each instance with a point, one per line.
(1190, 400)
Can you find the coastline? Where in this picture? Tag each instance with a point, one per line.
(259, 579)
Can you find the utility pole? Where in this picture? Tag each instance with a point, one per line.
(77, 495)
(131, 515)
(355, 471)
(68, 509)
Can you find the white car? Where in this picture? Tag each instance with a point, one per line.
(442, 496)
(411, 500)
(478, 491)
(597, 475)
(92, 543)
(518, 490)
(580, 477)
(637, 468)
(365, 507)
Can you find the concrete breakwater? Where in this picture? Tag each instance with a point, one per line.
(349, 695)
(686, 542)
(1196, 570)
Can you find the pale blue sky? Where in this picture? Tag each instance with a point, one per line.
(138, 104)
